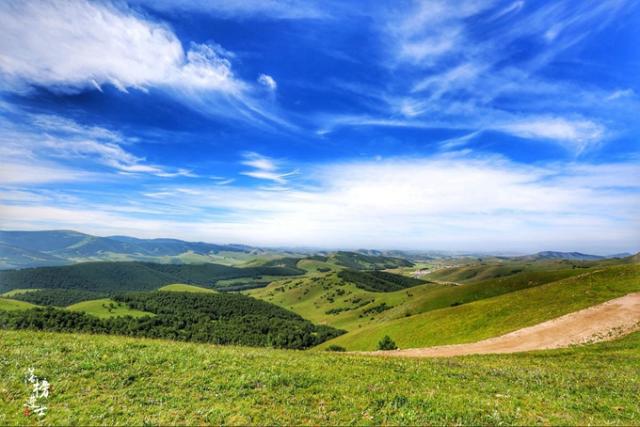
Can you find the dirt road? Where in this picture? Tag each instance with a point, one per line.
(602, 322)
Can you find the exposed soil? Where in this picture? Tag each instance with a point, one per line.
(602, 322)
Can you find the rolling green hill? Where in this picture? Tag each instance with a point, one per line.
(113, 380)
(11, 304)
(121, 276)
(329, 299)
(501, 314)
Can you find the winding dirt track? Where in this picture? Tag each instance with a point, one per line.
(602, 322)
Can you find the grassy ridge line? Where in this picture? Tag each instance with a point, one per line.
(477, 272)
(114, 380)
(181, 287)
(105, 308)
(11, 304)
(17, 292)
(498, 315)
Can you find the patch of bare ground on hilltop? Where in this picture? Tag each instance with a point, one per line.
(601, 322)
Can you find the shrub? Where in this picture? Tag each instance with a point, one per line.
(387, 343)
(334, 347)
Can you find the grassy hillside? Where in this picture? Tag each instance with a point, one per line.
(106, 308)
(181, 287)
(113, 380)
(358, 261)
(379, 281)
(328, 299)
(495, 316)
(125, 276)
(10, 305)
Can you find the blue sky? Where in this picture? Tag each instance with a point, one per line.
(491, 125)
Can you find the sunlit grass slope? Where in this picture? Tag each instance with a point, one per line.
(328, 299)
(181, 287)
(106, 308)
(498, 315)
(17, 292)
(106, 380)
(10, 304)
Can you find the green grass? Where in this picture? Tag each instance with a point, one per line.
(181, 287)
(17, 292)
(498, 315)
(314, 296)
(106, 308)
(106, 380)
(11, 304)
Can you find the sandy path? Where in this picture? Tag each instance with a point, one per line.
(602, 322)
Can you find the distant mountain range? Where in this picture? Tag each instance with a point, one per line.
(22, 249)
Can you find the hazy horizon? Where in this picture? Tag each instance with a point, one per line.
(506, 126)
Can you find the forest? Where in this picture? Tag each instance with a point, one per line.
(213, 318)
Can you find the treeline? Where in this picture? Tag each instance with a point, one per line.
(58, 297)
(379, 281)
(125, 276)
(213, 318)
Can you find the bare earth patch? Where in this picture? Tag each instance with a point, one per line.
(602, 322)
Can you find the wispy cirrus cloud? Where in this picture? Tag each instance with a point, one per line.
(38, 148)
(481, 66)
(264, 168)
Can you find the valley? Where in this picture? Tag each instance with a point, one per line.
(258, 314)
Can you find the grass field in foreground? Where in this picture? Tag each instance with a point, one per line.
(11, 304)
(116, 380)
(498, 315)
(180, 287)
(106, 308)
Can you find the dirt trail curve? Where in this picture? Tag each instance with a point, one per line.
(602, 322)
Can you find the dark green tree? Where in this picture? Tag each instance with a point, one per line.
(387, 343)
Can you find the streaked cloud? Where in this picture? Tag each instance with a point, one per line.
(448, 201)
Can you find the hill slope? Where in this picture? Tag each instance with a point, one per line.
(498, 315)
(126, 381)
(120, 276)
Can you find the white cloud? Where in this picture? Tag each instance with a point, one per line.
(447, 202)
(267, 81)
(264, 168)
(45, 140)
(577, 134)
(78, 44)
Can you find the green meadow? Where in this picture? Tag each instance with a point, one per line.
(106, 307)
(114, 380)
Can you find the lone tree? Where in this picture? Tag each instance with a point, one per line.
(387, 343)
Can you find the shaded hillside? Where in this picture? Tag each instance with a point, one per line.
(122, 276)
(379, 281)
(358, 261)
